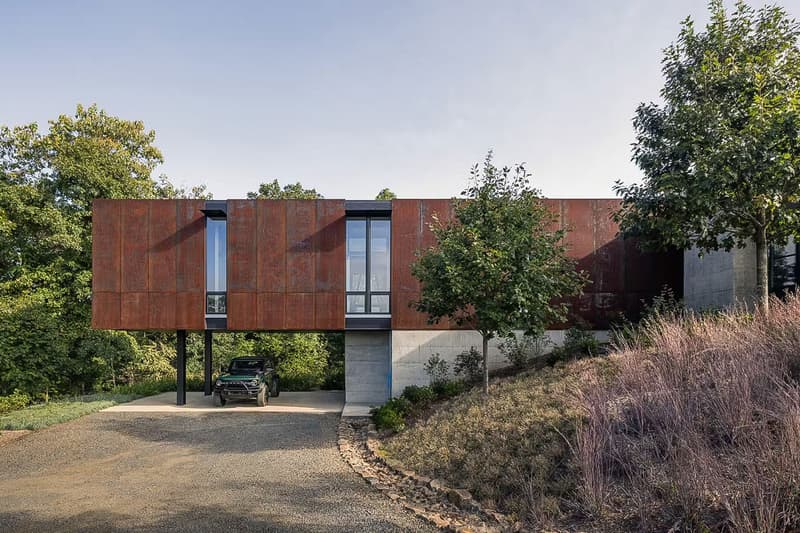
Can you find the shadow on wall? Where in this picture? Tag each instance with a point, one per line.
(412, 349)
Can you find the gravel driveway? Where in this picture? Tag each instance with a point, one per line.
(144, 471)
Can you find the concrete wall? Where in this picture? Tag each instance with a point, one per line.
(412, 348)
(719, 279)
(367, 366)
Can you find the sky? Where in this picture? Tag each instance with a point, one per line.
(349, 97)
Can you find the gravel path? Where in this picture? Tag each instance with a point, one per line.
(114, 471)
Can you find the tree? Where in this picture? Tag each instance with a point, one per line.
(497, 265)
(720, 156)
(292, 191)
(386, 194)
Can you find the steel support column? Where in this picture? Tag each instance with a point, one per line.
(207, 354)
(181, 364)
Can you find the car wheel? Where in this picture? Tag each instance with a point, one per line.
(262, 397)
(275, 389)
(219, 401)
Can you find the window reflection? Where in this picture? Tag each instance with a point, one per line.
(368, 256)
(216, 266)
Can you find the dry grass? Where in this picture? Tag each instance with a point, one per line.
(511, 451)
(693, 427)
(702, 428)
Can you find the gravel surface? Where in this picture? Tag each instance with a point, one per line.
(114, 471)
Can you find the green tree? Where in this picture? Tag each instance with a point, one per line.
(497, 265)
(48, 180)
(292, 191)
(386, 194)
(720, 156)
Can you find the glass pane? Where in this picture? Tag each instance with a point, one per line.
(216, 255)
(356, 255)
(216, 304)
(379, 255)
(356, 303)
(379, 303)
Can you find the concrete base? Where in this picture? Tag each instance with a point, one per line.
(367, 366)
(359, 410)
(719, 280)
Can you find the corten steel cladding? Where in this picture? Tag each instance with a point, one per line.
(148, 264)
(295, 280)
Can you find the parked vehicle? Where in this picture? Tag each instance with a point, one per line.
(246, 378)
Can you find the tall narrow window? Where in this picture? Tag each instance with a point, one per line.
(216, 258)
(368, 265)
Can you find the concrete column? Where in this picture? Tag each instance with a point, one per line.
(367, 366)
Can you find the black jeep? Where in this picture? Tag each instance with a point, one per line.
(251, 378)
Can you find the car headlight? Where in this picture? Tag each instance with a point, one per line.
(219, 383)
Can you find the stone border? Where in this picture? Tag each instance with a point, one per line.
(449, 509)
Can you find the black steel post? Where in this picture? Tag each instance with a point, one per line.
(207, 353)
(181, 364)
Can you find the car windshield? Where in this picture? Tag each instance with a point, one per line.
(248, 366)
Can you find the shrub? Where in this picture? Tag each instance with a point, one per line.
(448, 389)
(580, 343)
(469, 365)
(14, 401)
(391, 415)
(387, 418)
(437, 369)
(419, 397)
(520, 351)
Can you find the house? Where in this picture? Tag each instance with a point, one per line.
(328, 265)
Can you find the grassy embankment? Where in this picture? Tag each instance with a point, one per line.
(694, 425)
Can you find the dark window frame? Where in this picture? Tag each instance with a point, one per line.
(780, 290)
(368, 293)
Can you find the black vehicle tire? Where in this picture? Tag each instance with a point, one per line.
(219, 401)
(262, 397)
(275, 389)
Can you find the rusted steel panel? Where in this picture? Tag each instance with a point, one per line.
(299, 311)
(105, 310)
(271, 237)
(300, 228)
(440, 208)
(106, 246)
(162, 310)
(406, 240)
(271, 311)
(162, 241)
(329, 311)
(242, 245)
(190, 311)
(135, 222)
(608, 268)
(134, 310)
(403, 316)
(329, 247)
(191, 246)
(578, 219)
(555, 208)
(242, 313)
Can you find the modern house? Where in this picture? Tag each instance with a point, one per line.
(328, 265)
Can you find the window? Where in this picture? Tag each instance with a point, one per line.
(784, 268)
(368, 265)
(216, 259)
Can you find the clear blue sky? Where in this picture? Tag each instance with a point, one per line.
(350, 97)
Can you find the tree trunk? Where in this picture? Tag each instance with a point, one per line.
(762, 269)
(485, 364)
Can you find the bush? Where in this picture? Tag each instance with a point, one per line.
(469, 365)
(14, 401)
(580, 343)
(387, 418)
(437, 368)
(448, 389)
(520, 351)
(419, 397)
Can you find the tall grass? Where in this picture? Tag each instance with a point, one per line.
(700, 424)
